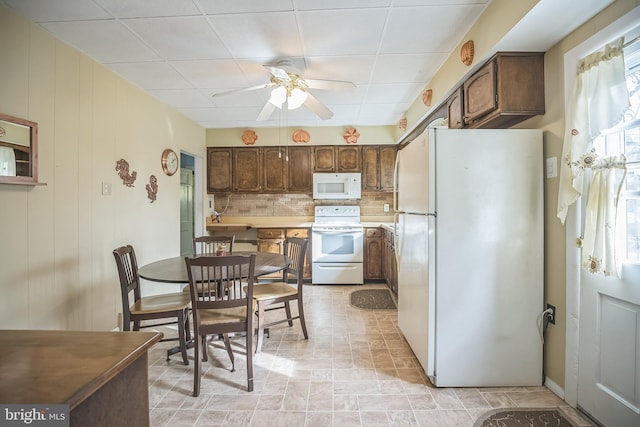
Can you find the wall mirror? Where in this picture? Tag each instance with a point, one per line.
(18, 151)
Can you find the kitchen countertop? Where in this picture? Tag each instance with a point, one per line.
(233, 223)
(376, 224)
(244, 223)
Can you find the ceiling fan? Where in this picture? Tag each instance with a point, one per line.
(290, 90)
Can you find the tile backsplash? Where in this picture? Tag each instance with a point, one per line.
(371, 204)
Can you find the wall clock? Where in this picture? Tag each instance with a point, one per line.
(169, 162)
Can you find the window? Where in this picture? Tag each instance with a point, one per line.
(625, 139)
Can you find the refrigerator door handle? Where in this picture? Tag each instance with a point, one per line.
(395, 183)
(397, 244)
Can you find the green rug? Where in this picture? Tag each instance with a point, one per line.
(372, 299)
(524, 417)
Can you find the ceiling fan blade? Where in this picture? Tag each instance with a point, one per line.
(278, 72)
(266, 112)
(335, 85)
(246, 89)
(317, 107)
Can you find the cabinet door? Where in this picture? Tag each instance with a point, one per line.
(480, 93)
(274, 246)
(303, 233)
(455, 110)
(373, 249)
(390, 272)
(370, 172)
(299, 170)
(219, 176)
(349, 159)
(520, 84)
(387, 167)
(324, 159)
(274, 170)
(246, 170)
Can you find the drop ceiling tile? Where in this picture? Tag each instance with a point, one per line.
(59, 10)
(397, 93)
(244, 6)
(241, 99)
(214, 73)
(352, 68)
(339, 4)
(426, 29)
(355, 97)
(264, 35)
(436, 2)
(222, 113)
(377, 114)
(104, 41)
(148, 8)
(412, 68)
(151, 75)
(343, 32)
(182, 98)
(189, 37)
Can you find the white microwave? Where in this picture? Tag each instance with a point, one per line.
(337, 186)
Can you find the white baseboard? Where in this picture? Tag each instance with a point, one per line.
(555, 388)
(116, 329)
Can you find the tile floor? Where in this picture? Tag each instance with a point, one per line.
(356, 369)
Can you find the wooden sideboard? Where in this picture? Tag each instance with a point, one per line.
(102, 376)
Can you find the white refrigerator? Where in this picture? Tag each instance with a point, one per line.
(469, 247)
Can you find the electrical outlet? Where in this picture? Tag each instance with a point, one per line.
(552, 316)
(385, 207)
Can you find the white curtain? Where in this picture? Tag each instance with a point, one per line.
(598, 247)
(599, 100)
(7, 162)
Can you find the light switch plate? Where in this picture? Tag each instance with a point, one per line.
(106, 188)
(552, 168)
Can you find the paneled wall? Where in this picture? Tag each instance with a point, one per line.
(56, 266)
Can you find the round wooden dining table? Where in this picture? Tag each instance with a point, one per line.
(174, 270)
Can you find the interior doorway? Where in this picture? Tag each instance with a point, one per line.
(191, 214)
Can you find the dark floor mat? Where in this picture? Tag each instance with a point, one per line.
(372, 299)
(524, 417)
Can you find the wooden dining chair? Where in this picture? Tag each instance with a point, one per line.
(269, 296)
(165, 306)
(209, 244)
(220, 305)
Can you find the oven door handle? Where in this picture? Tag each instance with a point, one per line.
(337, 231)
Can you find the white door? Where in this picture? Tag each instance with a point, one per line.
(186, 212)
(609, 337)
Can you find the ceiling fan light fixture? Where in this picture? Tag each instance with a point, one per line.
(278, 96)
(296, 99)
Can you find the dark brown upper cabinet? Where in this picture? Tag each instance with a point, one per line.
(324, 157)
(348, 158)
(219, 170)
(508, 89)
